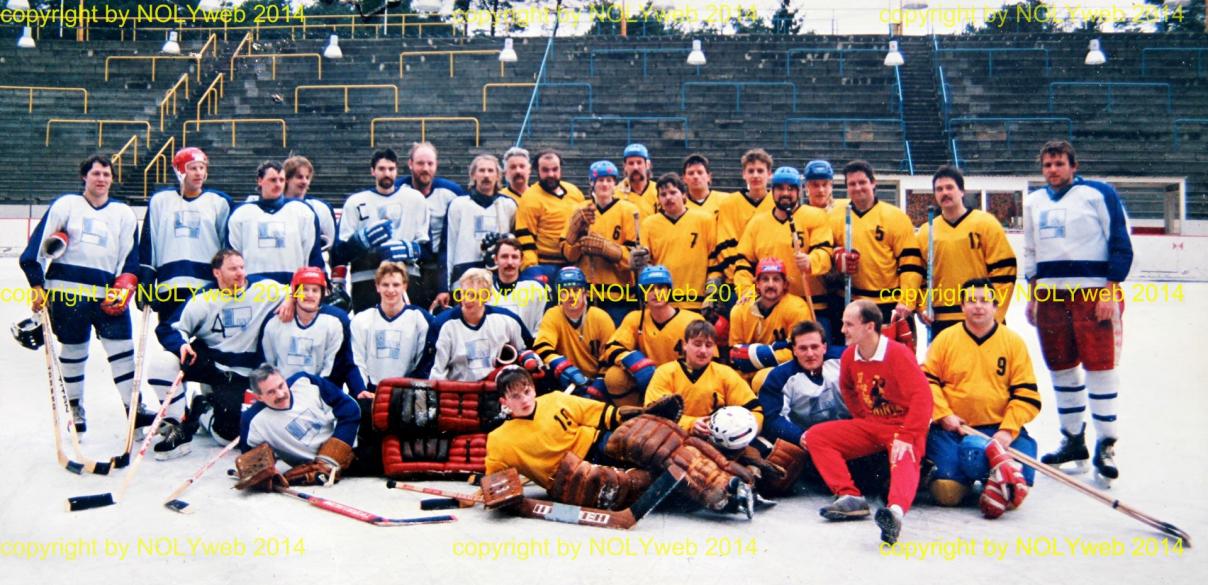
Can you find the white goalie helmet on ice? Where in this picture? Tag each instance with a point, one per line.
(733, 427)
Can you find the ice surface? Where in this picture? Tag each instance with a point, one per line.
(1161, 455)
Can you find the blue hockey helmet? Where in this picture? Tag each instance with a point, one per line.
(602, 168)
(636, 149)
(571, 277)
(654, 276)
(786, 176)
(819, 169)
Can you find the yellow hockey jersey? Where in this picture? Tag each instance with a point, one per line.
(890, 260)
(711, 204)
(704, 391)
(984, 381)
(687, 246)
(750, 324)
(582, 344)
(616, 224)
(647, 201)
(541, 223)
(766, 236)
(732, 218)
(974, 246)
(660, 342)
(560, 423)
(514, 196)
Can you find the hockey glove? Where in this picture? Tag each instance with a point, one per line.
(55, 246)
(595, 245)
(396, 251)
(640, 367)
(755, 356)
(1014, 488)
(338, 297)
(568, 373)
(639, 258)
(846, 261)
(529, 360)
(334, 456)
(118, 296)
(375, 234)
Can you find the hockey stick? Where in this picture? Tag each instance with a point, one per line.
(59, 403)
(471, 498)
(178, 505)
(621, 520)
(363, 516)
(930, 271)
(847, 250)
(108, 499)
(637, 237)
(1164, 527)
(805, 278)
(123, 460)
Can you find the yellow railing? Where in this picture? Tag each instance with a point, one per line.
(100, 134)
(161, 162)
(210, 96)
(423, 126)
(234, 122)
(305, 24)
(117, 156)
(154, 59)
(170, 96)
(451, 53)
(32, 88)
(394, 88)
(211, 45)
(246, 42)
(274, 56)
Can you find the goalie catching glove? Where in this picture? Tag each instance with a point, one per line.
(580, 221)
(1006, 487)
(594, 244)
(258, 469)
(334, 457)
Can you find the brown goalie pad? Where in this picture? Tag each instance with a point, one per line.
(791, 459)
(596, 486)
(502, 489)
(646, 441)
(709, 473)
(258, 469)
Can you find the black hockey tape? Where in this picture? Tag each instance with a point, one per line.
(390, 483)
(439, 504)
(102, 468)
(121, 461)
(89, 502)
(75, 468)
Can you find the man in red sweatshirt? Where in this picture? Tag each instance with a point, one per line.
(890, 404)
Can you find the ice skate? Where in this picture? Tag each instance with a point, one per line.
(1105, 462)
(177, 441)
(77, 416)
(1072, 450)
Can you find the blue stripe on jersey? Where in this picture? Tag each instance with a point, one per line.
(1072, 268)
(94, 277)
(172, 270)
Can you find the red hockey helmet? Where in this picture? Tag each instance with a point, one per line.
(770, 264)
(185, 156)
(308, 275)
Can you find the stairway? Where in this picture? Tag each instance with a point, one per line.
(920, 92)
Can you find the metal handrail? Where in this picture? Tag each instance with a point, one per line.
(528, 112)
(32, 88)
(154, 59)
(452, 55)
(423, 126)
(170, 95)
(210, 97)
(1199, 58)
(274, 56)
(121, 152)
(537, 90)
(629, 120)
(161, 162)
(643, 51)
(234, 122)
(1110, 85)
(245, 42)
(788, 55)
(347, 87)
(100, 135)
(738, 87)
(991, 50)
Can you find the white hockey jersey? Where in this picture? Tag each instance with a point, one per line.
(470, 219)
(385, 347)
(793, 400)
(322, 348)
(101, 245)
(275, 237)
(327, 221)
(180, 236)
(317, 412)
(468, 354)
(1078, 238)
(407, 211)
(525, 298)
(228, 324)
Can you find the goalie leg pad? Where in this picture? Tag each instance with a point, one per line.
(705, 482)
(646, 441)
(596, 486)
(791, 459)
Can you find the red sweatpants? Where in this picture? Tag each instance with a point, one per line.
(831, 444)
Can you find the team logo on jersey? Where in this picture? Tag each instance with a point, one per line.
(1052, 224)
(270, 234)
(387, 344)
(300, 351)
(233, 318)
(485, 224)
(306, 423)
(392, 212)
(95, 232)
(186, 224)
(479, 354)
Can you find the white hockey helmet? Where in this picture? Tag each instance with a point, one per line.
(733, 427)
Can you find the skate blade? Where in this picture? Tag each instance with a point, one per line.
(1103, 481)
(176, 453)
(1079, 467)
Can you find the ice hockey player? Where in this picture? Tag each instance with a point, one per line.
(699, 193)
(432, 285)
(298, 175)
(467, 341)
(738, 209)
(1077, 252)
(182, 230)
(526, 298)
(388, 340)
(541, 219)
(684, 241)
(226, 320)
(558, 441)
(80, 263)
(572, 335)
(322, 453)
(646, 339)
(482, 214)
(378, 224)
(599, 239)
(275, 234)
(638, 185)
(759, 328)
(318, 340)
(891, 405)
(980, 376)
(517, 170)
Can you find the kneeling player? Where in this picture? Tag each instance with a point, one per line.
(980, 376)
(469, 339)
(306, 420)
(759, 327)
(572, 334)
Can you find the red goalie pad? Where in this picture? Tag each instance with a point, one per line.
(459, 455)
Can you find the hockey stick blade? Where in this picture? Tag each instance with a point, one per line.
(657, 492)
(444, 504)
(79, 503)
(361, 515)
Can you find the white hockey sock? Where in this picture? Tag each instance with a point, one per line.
(1103, 388)
(72, 359)
(161, 371)
(121, 363)
(1071, 398)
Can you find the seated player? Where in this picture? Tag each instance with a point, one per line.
(704, 385)
(981, 376)
(468, 340)
(759, 327)
(646, 339)
(525, 298)
(890, 403)
(307, 421)
(317, 341)
(572, 335)
(558, 440)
